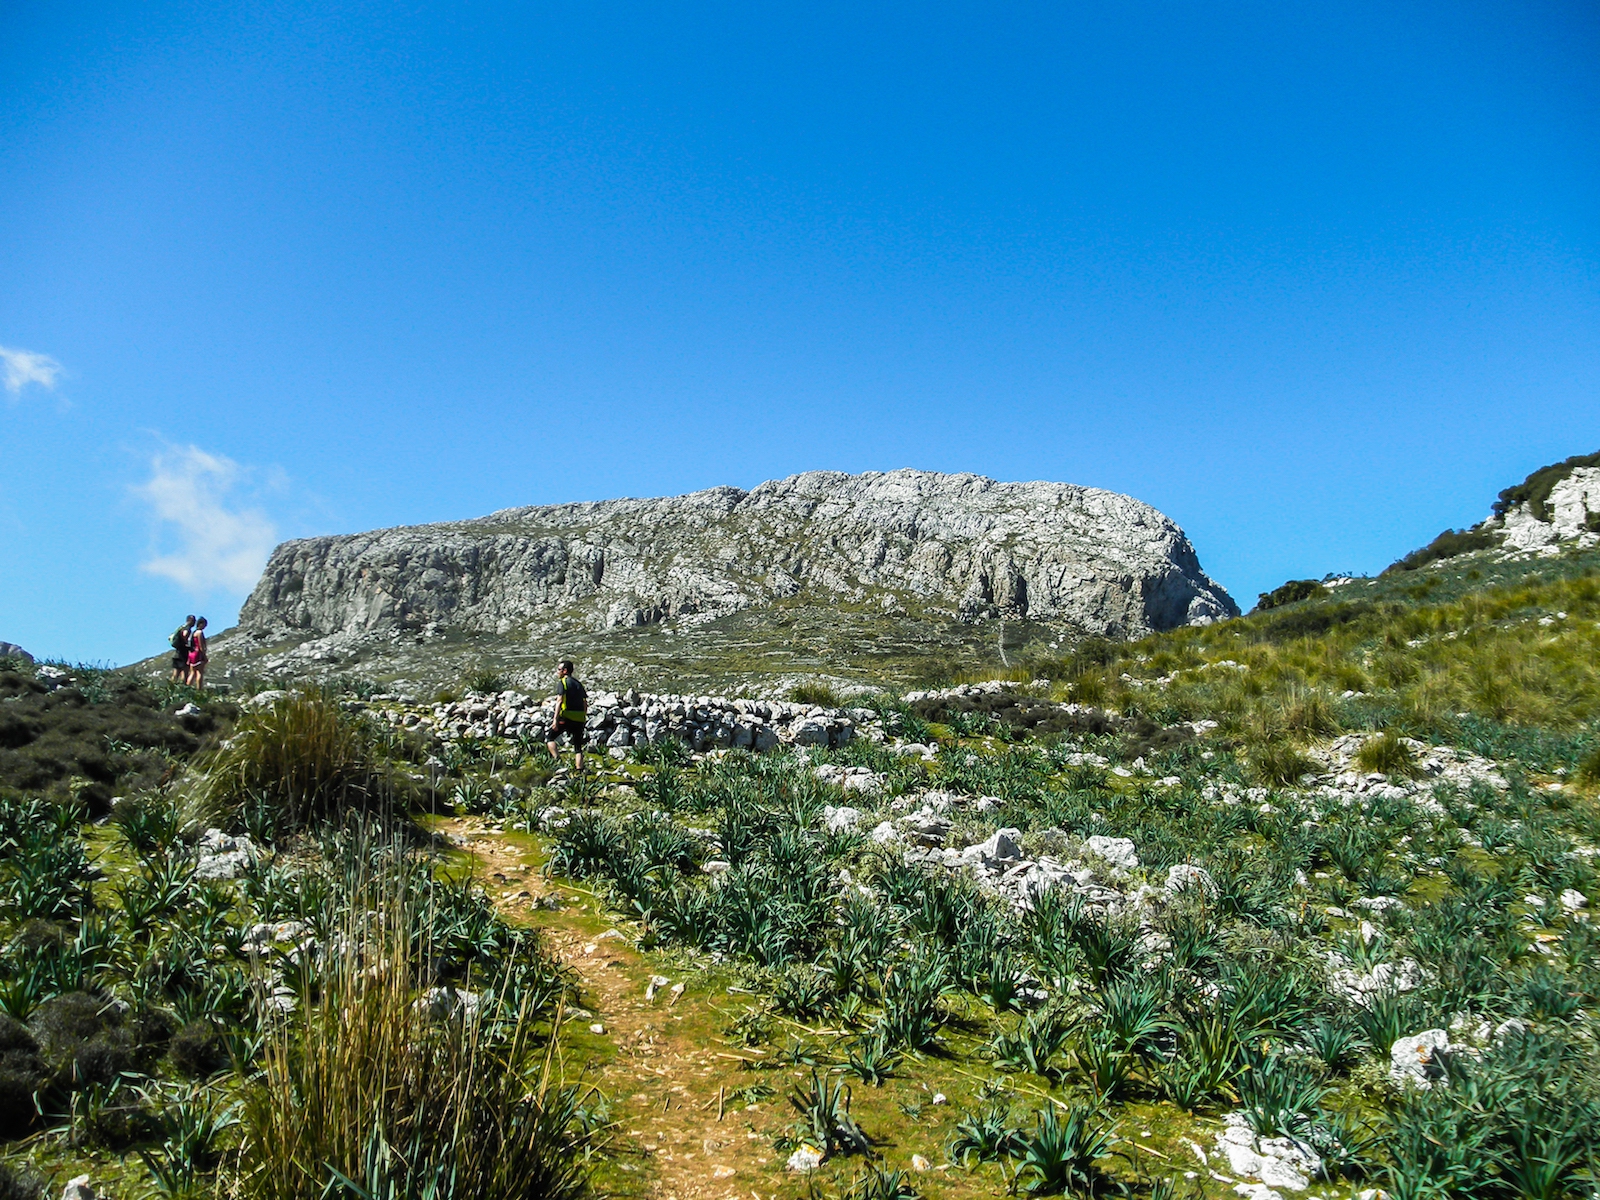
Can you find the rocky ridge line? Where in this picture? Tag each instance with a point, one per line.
(961, 546)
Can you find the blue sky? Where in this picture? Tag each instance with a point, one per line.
(1317, 280)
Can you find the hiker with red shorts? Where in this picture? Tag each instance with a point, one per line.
(197, 655)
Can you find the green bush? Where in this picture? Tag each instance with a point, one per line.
(1449, 544)
(1289, 593)
(305, 758)
(820, 694)
(486, 679)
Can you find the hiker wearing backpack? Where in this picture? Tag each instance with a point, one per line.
(572, 712)
(179, 641)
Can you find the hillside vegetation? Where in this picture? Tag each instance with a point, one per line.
(1294, 904)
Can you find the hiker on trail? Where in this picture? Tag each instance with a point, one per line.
(197, 655)
(572, 710)
(180, 649)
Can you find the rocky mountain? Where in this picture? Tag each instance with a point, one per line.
(931, 559)
(1556, 507)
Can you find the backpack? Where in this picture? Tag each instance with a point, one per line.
(574, 700)
(180, 639)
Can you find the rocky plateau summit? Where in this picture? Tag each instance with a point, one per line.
(787, 576)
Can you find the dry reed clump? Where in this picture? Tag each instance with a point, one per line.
(372, 1088)
(303, 759)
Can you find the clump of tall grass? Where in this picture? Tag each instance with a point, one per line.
(372, 1088)
(820, 694)
(1589, 768)
(1279, 763)
(486, 679)
(305, 758)
(1387, 754)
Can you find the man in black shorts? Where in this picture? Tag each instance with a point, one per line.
(572, 711)
(180, 642)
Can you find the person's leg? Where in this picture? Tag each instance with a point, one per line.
(577, 759)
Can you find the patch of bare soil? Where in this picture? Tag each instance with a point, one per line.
(656, 1055)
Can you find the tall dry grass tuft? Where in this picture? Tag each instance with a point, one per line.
(375, 1089)
(1387, 755)
(303, 759)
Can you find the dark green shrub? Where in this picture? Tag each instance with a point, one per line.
(1279, 1099)
(801, 992)
(20, 1183)
(984, 1137)
(1289, 593)
(824, 1109)
(198, 1050)
(305, 757)
(1449, 544)
(871, 1059)
(22, 1071)
(1063, 1153)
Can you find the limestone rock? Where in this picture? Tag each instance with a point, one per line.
(962, 544)
(1119, 852)
(1419, 1059)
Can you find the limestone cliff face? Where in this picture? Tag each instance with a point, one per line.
(961, 544)
(1568, 511)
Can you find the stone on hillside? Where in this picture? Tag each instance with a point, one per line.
(1188, 876)
(1419, 1060)
(1119, 852)
(222, 856)
(12, 650)
(1004, 846)
(78, 1188)
(805, 1159)
(840, 820)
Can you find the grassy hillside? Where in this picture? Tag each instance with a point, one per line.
(1296, 904)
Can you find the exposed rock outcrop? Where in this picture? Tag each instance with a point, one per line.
(1568, 512)
(960, 545)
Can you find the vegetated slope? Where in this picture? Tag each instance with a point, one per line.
(1307, 892)
(912, 553)
(1292, 903)
(1554, 506)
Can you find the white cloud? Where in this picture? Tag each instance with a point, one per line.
(22, 367)
(213, 541)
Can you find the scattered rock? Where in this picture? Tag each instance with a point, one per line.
(1277, 1162)
(1119, 852)
(1419, 1060)
(1003, 847)
(1184, 876)
(223, 856)
(804, 1159)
